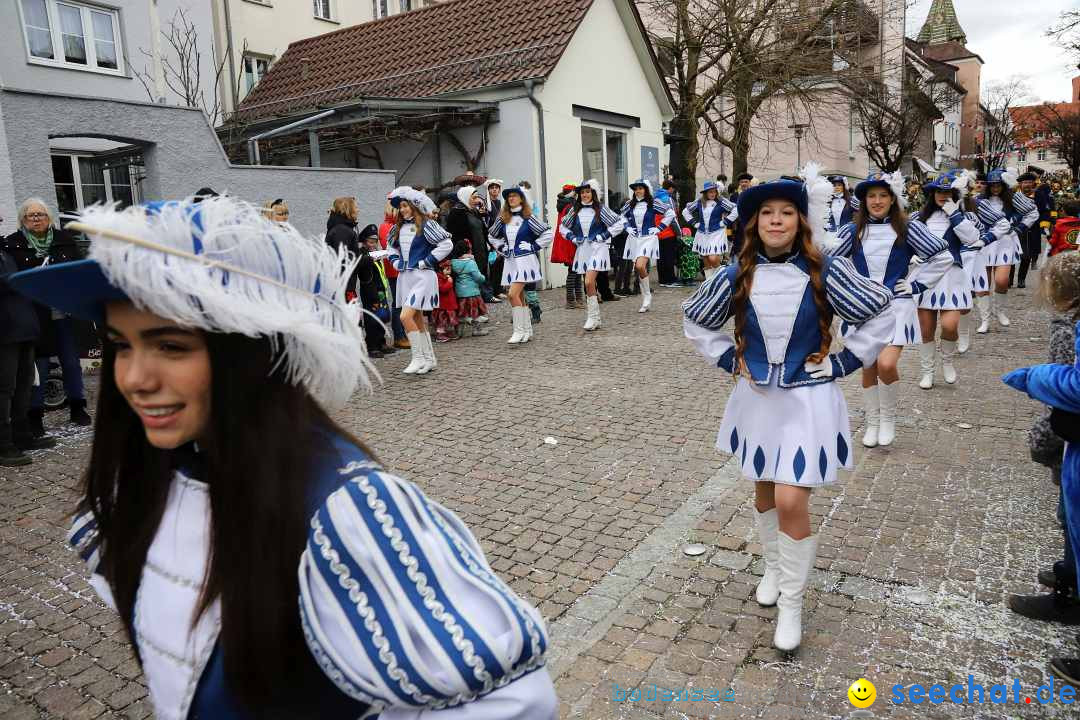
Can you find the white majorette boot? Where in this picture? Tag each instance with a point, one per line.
(927, 353)
(592, 312)
(416, 347)
(887, 394)
(526, 324)
(427, 353)
(646, 295)
(999, 312)
(519, 330)
(768, 589)
(873, 411)
(982, 304)
(948, 352)
(796, 561)
(964, 330)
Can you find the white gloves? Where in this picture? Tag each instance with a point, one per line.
(654, 230)
(950, 207)
(1002, 227)
(902, 287)
(823, 369)
(421, 265)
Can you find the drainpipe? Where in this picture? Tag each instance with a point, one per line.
(529, 87)
(232, 62)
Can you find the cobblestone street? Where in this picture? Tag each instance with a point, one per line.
(919, 545)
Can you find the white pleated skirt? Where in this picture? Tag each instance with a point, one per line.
(418, 289)
(714, 243)
(523, 269)
(1005, 251)
(954, 290)
(592, 256)
(647, 246)
(792, 436)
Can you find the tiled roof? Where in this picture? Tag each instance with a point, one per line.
(942, 25)
(445, 48)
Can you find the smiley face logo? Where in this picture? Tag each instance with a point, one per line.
(862, 693)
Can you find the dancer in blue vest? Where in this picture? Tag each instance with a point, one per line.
(786, 421)
(519, 236)
(709, 217)
(949, 298)
(1008, 215)
(644, 218)
(261, 561)
(841, 209)
(416, 245)
(882, 243)
(590, 225)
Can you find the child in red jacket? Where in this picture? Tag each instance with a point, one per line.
(445, 317)
(1066, 229)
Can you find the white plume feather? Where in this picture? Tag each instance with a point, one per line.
(252, 277)
(1009, 178)
(964, 182)
(895, 180)
(416, 198)
(818, 192)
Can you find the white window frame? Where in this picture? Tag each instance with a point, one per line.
(380, 5)
(329, 4)
(76, 174)
(1040, 156)
(605, 129)
(258, 77)
(89, 40)
(405, 6)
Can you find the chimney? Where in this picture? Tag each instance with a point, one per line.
(1076, 89)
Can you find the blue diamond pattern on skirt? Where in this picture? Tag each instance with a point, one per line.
(823, 462)
(954, 302)
(841, 448)
(734, 439)
(742, 462)
(799, 465)
(412, 299)
(759, 461)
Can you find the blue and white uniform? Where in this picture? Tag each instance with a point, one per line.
(398, 606)
(644, 222)
(710, 219)
(520, 242)
(592, 236)
(415, 259)
(878, 256)
(841, 212)
(960, 232)
(784, 425)
(1007, 227)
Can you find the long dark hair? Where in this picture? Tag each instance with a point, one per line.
(1006, 196)
(930, 206)
(897, 218)
(744, 280)
(264, 441)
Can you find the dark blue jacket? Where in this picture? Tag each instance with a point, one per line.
(18, 319)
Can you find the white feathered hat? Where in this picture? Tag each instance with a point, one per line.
(818, 192)
(414, 197)
(221, 266)
(591, 183)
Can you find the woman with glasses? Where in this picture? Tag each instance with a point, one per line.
(39, 241)
(277, 210)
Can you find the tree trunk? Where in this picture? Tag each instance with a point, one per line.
(685, 146)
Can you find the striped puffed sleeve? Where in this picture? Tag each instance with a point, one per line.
(704, 315)
(861, 302)
(441, 240)
(544, 234)
(666, 213)
(845, 242)
(401, 610)
(83, 537)
(689, 211)
(614, 224)
(932, 251)
(1026, 209)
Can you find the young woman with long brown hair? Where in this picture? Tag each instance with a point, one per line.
(786, 420)
(1008, 215)
(263, 564)
(946, 301)
(590, 225)
(644, 218)
(417, 245)
(519, 236)
(881, 243)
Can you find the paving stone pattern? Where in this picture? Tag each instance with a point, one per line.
(919, 544)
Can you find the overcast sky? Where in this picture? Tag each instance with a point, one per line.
(1009, 36)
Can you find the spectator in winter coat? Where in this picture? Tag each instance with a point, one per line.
(341, 230)
(18, 332)
(39, 241)
(468, 284)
